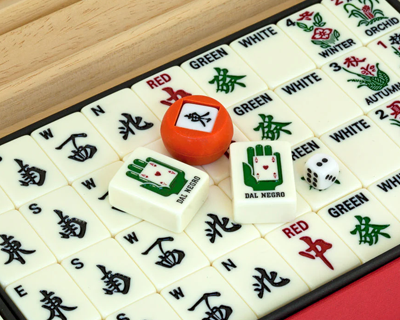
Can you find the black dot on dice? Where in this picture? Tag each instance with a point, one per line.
(309, 170)
(324, 160)
(319, 164)
(314, 184)
(333, 179)
(309, 175)
(315, 179)
(1, 159)
(315, 175)
(309, 180)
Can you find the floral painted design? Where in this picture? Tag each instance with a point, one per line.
(367, 13)
(371, 77)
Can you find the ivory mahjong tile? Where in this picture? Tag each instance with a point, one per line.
(272, 55)
(319, 33)
(5, 202)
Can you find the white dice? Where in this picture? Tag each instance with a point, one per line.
(321, 171)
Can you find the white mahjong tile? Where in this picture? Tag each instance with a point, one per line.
(365, 78)
(262, 176)
(64, 222)
(93, 188)
(387, 117)
(123, 120)
(22, 252)
(206, 295)
(387, 48)
(5, 202)
(318, 101)
(75, 146)
(220, 169)
(51, 294)
(346, 181)
(319, 33)
(387, 191)
(302, 208)
(223, 75)
(164, 257)
(272, 55)
(108, 276)
(265, 116)
(153, 306)
(144, 188)
(162, 89)
(364, 148)
(213, 229)
(261, 277)
(367, 19)
(313, 250)
(225, 186)
(363, 223)
(184, 121)
(26, 172)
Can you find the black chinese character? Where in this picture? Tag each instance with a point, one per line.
(395, 39)
(213, 231)
(30, 175)
(168, 259)
(115, 283)
(221, 312)
(104, 197)
(13, 248)
(126, 128)
(81, 153)
(195, 117)
(71, 227)
(54, 305)
(260, 286)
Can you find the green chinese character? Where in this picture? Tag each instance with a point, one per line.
(369, 233)
(157, 176)
(271, 130)
(226, 83)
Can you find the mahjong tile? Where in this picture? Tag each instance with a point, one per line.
(363, 223)
(220, 169)
(302, 208)
(213, 229)
(319, 33)
(318, 101)
(223, 75)
(265, 116)
(345, 183)
(123, 120)
(93, 188)
(387, 117)
(22, 252)
(51, 294)
(206, 295)
(225, 186)
(108, 276)
(26, 172)
(75, 146)
(164, 257)
(313, 250)
(5, 202)
(261, 277)
(272, 55)
(368, 152)
(365, 78)
(387, 48)
(368, 19)
(387, 191)
(153, 306)
(162, 89)
(64, 222)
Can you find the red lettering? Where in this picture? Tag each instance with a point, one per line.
(288, 232)
(295, 228)
(382, 44)
(159, 80)
(166, 77)
(151, 84)
(303, 225)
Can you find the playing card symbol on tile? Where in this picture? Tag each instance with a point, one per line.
(318, 247)
(81, 153)
(212, 232)
(271, 130)
(54, 305)
(221, 312)
(365, 12)
(129, 122)
(30, 175)
(71, 227)
(168, 259)
(157, 176)
(174, 95)
(261, 287)
(14, 249)
(115, 282)
(367, 232)
(225, 82)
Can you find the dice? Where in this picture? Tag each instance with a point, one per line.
(321, 171)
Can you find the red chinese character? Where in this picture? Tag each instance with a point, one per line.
(368, 70)
(322, 33)
(305, 16)
(174, 96)
(319, 247)
(395, 106)
(352, 61)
